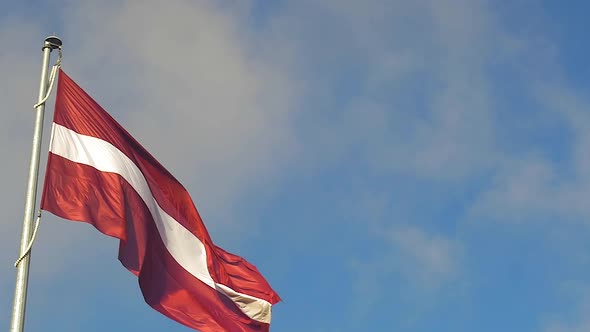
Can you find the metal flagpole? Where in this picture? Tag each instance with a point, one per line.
(22, 273)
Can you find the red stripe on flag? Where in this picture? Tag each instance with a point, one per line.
(82, 193)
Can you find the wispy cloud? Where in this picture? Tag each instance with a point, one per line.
(550, 184)
(412, 263)
(427, 259)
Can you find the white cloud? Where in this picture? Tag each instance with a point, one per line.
(428, 259)
(540, 186)
(415, 264)
(418, 101)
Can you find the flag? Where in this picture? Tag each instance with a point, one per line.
(99, 174)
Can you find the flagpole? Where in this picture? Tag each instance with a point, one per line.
(22, 273)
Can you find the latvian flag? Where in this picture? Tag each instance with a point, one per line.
(97, 173)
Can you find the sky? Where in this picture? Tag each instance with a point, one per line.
(387, 165)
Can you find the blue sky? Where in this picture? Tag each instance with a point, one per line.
(388, 165)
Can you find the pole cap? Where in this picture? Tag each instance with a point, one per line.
(52, 42)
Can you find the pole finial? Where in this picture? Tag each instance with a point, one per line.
(52, 42)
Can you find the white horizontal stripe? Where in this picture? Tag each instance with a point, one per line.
(184, 246)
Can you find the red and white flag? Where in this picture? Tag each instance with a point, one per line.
(97, 173)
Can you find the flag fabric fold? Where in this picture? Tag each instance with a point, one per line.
(99, 174)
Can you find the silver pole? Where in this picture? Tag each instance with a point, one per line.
(22, 272)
